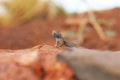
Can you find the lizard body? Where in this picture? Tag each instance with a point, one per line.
(60, 40)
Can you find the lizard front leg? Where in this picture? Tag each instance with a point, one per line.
(56, 43)
(59, 43)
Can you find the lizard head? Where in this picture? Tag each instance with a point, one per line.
(56, 34)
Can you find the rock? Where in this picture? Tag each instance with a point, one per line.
(40, 63)
(93, 64)
(37, 63)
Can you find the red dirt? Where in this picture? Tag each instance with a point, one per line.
(29, 34)
(113, 17)
(38, 31)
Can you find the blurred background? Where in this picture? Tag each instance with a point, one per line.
(92, 24)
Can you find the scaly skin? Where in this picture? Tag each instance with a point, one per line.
(60, 40)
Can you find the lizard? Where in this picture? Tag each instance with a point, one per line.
(60, 40)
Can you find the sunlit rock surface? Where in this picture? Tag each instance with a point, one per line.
(37, 63)
(93, 64)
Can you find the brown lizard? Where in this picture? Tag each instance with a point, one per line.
(60, 40)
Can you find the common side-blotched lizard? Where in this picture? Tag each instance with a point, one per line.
(60, 40)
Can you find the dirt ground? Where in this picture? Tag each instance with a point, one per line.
(38, 31)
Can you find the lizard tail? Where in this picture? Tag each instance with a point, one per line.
(68, 44)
